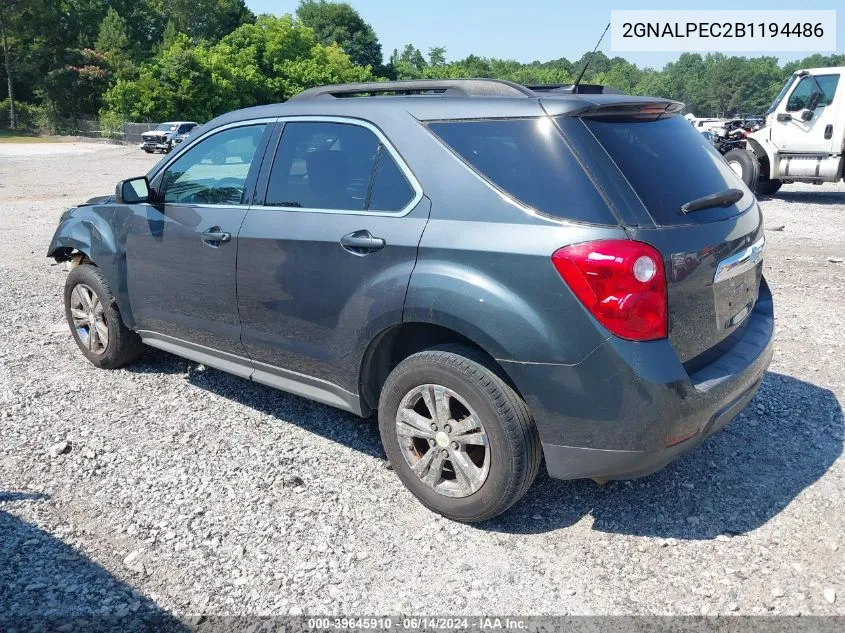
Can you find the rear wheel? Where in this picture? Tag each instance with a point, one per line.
(95, 323)
(745, 165)
(458, 436)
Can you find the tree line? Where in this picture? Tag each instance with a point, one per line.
(152, 60)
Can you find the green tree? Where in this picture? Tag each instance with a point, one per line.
(7, 13)
(76, 89)
(265, 62)
(814, 61)
(113, 42)
(338, 23)
(437, 56)
(169, 36)
(622, 74)
(209, 20)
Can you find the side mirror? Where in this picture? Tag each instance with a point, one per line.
(806, 115)
(783, 117)
(133, 190)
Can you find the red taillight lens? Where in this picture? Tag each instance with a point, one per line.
(622, 283)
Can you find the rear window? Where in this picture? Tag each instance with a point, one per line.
(669, 163)
(529, 160)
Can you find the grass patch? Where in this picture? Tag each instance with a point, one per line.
(16, 136)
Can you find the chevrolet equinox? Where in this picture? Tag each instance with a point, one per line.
(502, 273)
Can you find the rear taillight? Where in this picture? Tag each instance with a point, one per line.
(622, 284)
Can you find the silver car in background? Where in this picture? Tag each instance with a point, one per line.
(166, 136)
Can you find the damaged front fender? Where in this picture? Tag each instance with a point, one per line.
(97, 231)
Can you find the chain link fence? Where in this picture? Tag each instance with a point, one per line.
(123, 131)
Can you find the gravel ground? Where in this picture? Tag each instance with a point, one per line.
(185, 490)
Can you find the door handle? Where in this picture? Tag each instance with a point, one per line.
(828, 131)
(362, 242)
(215, 236)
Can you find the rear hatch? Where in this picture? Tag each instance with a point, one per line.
(674, 191)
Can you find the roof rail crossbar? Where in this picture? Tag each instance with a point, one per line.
(446, 87)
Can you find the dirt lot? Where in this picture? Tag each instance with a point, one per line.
(192, 491)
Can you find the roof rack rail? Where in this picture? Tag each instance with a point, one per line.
(584, 89)
(445, 87)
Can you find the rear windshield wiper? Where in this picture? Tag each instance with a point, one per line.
(723, 199)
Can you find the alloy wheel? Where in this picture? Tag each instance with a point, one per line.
(443, 440)
(89, 319)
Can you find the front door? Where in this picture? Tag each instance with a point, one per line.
(182, 249)
(822, 133)
(325, 264)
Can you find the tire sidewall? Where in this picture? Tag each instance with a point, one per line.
(82, 274)
(750, 167)
(500, 475)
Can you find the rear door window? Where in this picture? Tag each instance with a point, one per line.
(390, 190)
(529, 160)
(668, 163)
(335, 166)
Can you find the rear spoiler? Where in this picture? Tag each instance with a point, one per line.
(650, 110)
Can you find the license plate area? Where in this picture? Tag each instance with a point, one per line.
(736, 285)
(734, 298)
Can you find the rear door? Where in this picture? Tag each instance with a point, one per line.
(324, 263)
(182, 249)
(713, 255)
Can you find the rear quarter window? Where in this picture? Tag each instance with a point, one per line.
(529, 160)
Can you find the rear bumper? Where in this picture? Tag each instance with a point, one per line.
(629, 409)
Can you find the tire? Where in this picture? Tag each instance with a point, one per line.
(122, 345)
(464, 379)
(746, 162)
(766, 187)
(149, 151)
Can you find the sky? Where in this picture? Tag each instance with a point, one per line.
(525, 30)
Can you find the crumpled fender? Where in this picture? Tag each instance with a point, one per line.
(98, 230)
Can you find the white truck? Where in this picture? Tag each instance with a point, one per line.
(804, 136)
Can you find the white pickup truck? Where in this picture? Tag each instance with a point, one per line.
(804, 135)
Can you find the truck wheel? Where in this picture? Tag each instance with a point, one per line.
(745, 165)
(458, 436)
(95, 322)
(766, 187)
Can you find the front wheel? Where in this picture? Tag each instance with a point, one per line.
(745, 165)
(458, 436)
(95, 323)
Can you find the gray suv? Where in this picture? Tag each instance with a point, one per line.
(502, 273)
